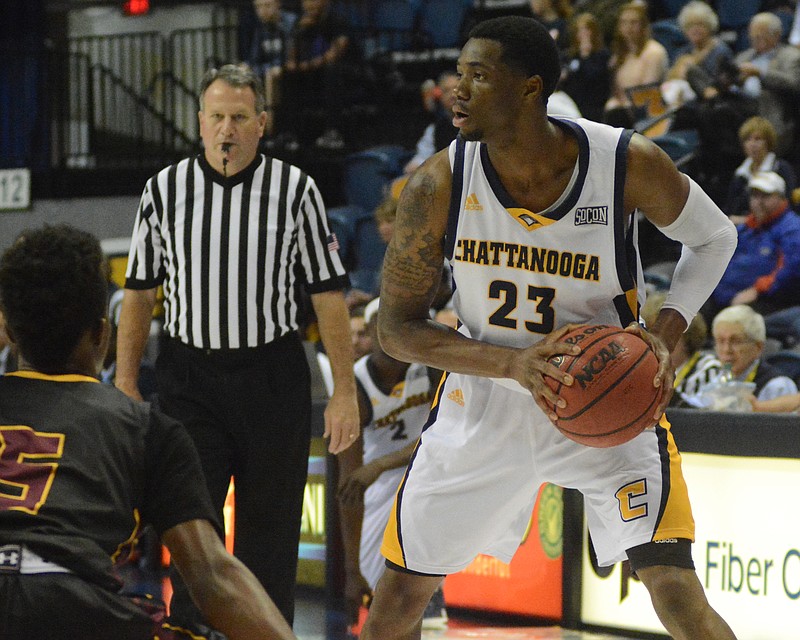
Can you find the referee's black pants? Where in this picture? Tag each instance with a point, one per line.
(249, 414)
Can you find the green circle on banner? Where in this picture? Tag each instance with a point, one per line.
(551, 520)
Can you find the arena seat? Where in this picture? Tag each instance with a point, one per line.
(394, 23)
(680, 146)
(673, 7)
(734, 19)
(443, 22)
(360, 245)
(367, 174)
(343, 221)
(787, 361)
(669, 35)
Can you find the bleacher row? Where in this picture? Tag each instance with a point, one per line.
(419, 38)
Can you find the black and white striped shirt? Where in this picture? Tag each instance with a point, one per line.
(230, 251)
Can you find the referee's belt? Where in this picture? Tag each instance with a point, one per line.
(17, 558)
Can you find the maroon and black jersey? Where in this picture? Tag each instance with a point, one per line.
(83, 468)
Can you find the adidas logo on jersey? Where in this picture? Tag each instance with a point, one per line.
(472, 203)
(591, 215)
(457, 396)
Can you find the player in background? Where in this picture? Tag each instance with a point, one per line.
(83, 468)
(394, 399)
(536, 217)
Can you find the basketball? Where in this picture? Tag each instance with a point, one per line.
(612, 397)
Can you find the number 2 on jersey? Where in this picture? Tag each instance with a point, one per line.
(542, 297)
(27, 467)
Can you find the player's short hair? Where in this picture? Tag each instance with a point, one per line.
(527, 47)
(235, 75)
(53, 288)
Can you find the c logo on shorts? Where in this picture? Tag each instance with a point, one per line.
(628, 509)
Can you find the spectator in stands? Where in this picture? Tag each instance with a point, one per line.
(636, 59)
(717, 115)
(361, 338)
(759, 139)
(789, 403)
(394, 399)
(147, 374)
(586, 77)
(441, 132)
(268, 47)
(385, 214)
(386, 211)
(555, 15)
(764, 271)
(318, 46)
(771, 73)
(739, 338)
(697, 64)
(359, 332)
(694, 366)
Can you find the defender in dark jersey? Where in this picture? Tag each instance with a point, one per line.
(83, 468)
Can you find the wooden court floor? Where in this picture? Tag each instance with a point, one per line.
(310, 623)
(499, 633)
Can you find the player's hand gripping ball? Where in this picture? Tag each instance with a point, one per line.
(612, 397)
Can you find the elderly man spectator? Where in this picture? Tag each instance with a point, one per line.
(771, 73)
(739, 338)
(764, 272)
(267, 54)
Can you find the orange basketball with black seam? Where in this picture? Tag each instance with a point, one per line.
(612, 397)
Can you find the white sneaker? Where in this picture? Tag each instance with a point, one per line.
(435, 616)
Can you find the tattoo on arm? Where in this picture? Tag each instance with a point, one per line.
(414, 258)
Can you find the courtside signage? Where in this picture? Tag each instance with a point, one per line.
(15, 189)
(531, 585)
(747, 552)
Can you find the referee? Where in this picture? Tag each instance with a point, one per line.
(231, 234)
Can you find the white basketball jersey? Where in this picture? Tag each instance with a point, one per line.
(397, 419)
(520, 274)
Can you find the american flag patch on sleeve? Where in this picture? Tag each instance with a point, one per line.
(333, 242)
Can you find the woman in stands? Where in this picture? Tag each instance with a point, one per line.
(554, 15)
(586, 77)
(637, 59)
(759, 139)
(697, 64)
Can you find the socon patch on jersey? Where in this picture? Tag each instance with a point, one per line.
(591, 215)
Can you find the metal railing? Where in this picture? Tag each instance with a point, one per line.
(151, 74)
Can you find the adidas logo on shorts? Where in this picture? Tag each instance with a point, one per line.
(457, 396)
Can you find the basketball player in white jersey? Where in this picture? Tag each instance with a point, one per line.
(394, 399)
(536, 216)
